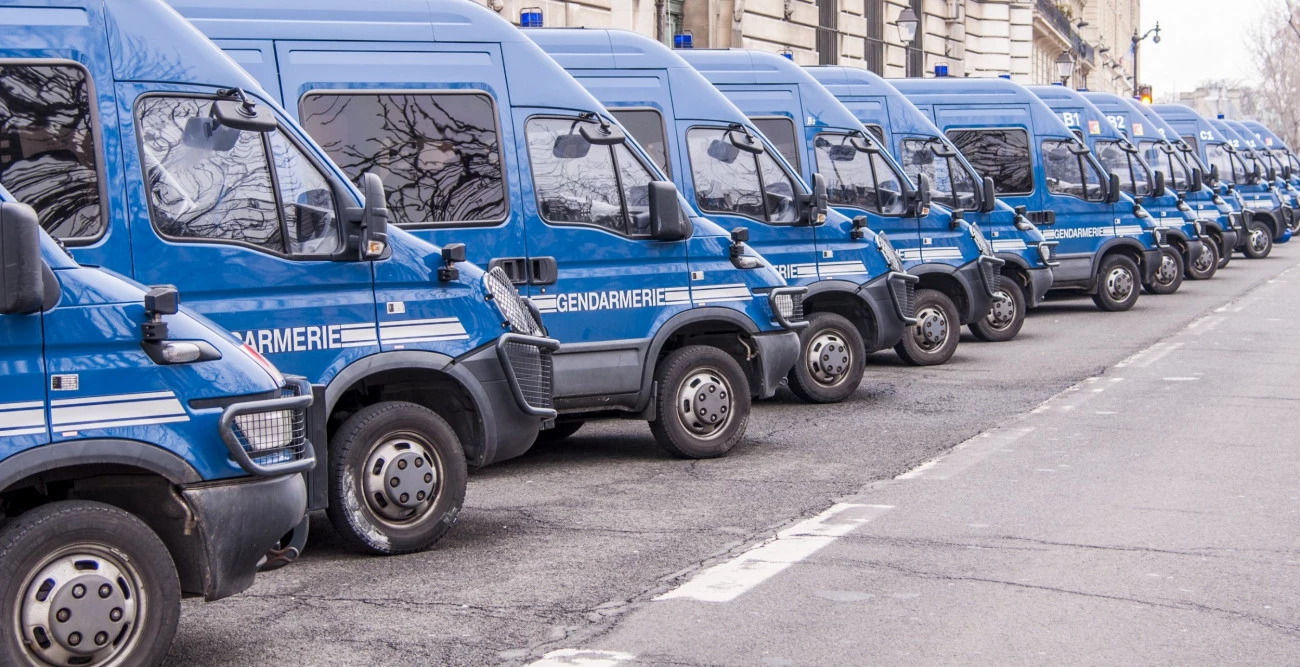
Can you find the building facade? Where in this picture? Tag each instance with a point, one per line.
(1022, 38)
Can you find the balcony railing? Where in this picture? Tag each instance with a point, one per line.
(1057, 18)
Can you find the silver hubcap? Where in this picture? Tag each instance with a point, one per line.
(1119, 283)
(931, 328)
(81, 606)
(1258, 240)
(1168, 270)
(829, 358)
(1003, 312)
(401, 478)
(704, 403)
(1207, 259)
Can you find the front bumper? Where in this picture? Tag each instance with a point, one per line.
(1040, 280)
(777, 353)
(1150, 262)
(235, 525)
(1195, 248)
(892, 300)
(513, 387)
(980, 280)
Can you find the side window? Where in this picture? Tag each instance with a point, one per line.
(1133, 175)
(1070, 173)
(778, 190)
(1002, 155)
(954, 186)
(47, 147)
(726, 178)
(857, 178)
(877, 131)
(647, 127)
(1191, 141)
(635, 180)
(575, 181)
(438, 154)
(1217, 155)
(211, 182)
(781, 132)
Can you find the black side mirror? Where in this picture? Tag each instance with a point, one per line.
(817, 203)
(739, 237)
(1112, 189)
(1214, 174)
(1198, 180)
(921, 197)
(745, 142)
(988, 196)
(22, 285)
(955, 222)
(1272, 174)
(1158, 190)
(666, 220)
(602, 135)
(238, 112)
(158, 301)
(860, 227)
(373, 239)
(452, 254)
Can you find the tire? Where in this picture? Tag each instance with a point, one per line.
(1168, 277)
(832, 360)
(1117, 283)
(397, 478)
(561, 431)
(1005, 316)
(1259, 240)
(1207, 264)
(721, 384)
(116, 562)
(933, 339)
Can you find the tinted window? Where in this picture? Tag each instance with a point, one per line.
(1191, 141)
(954, 186)
(647, 127)
(1217, 155)
(47, 147)
(1134, 178)
(1070, 173)
(576, 181)
(877, 131)
(726, 178)
(438, 154)
(857, 178)
(780, 131)
(1002, 155)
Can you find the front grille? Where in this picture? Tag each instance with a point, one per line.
(274, 436)
(904, 293)
(991, 276)
(534, 371)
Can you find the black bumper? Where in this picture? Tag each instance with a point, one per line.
(892, 301)
(1230, 238)
(777, 353)
(236, 523)
(1195, 248)
(979, 279)
(1040, 280)
(512, 384)
(1150, 262)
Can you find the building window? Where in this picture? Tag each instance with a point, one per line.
(874, 10)
(828, 12)
(672, 20)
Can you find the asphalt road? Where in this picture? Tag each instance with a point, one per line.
(991, 558)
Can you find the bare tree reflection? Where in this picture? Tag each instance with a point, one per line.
(1002, 155)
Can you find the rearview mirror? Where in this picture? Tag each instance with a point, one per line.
(602, 135)
(745, 142)
(22, 285)
(666, 220)
(571, 147)
(842, 152)
(1158, 190)
(1214, 174)
(989, 197)
(374, 217)
(1112, 189)
(243, 114)
(1198, 180)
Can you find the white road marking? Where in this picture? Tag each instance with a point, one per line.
(727, 581)
(572, 657)
(966, 454)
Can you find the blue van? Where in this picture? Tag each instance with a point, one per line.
(175, 167)
(921, 148)
(1284, 160)
(959, 274)
(663, 316)
(145, 454)
(1184, 252)
(1262, 182)
(1162, 148)
(1108, 244)
(858, 294)
(1262, 211)
(1277, 172)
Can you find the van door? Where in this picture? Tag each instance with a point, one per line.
(22, 394)
(431, 119)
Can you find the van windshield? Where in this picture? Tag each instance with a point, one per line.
(954, 184)
(1134, 176)
(858, 178)
(1161, 155)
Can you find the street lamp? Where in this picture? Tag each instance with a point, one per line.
(1137, 42)
(1064, 66)
(907, 24)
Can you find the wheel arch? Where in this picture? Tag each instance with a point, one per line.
(943, 278)
(707, 325)
(843, 298)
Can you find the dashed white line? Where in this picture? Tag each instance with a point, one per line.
(965, 455)
(572, 657)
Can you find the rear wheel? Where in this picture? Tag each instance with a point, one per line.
(1259, 240)
(1207, 264)
(397, 478)
(831, 360)
(85, 583)
(934, 337)
(1006, 315)
(1117, 283)
(1168, 277)
(702, 407)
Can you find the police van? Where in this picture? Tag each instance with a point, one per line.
(1176, 222)
(1265, 188)
(1108, 243)
(859, 298)
(1284, 159)
(145, 454)
(664, 317)
(1277, 173)
(174, 166)
(922, 149)
(959, 274)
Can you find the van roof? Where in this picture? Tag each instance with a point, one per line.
(1173, 113)
(1059, 97)
(1110, 102)
(1265, 133)
(972, 90)
(852, 81)
(384, 20)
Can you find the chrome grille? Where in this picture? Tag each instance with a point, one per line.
(533, 369)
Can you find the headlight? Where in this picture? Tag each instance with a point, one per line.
(503, 293)
(981, 242)
(1045, 252)
(266, 430)
(783, 304)
(892, 257)
(1200, 228)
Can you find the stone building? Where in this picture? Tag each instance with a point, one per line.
(1023, 38)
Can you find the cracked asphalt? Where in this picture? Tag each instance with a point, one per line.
(1154, 521)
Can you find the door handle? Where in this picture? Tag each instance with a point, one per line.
(542, 271)
(1042, 218)
(516, 268)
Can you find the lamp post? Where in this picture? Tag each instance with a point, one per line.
(1064, 67)
(1137, 41)
(907, 24)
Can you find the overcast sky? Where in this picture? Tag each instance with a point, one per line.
(1199, 40)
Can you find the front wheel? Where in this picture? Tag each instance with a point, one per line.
(1168, 277)
(1259, 240)
(934, 337)
(1006, 315)
(1207, 264)
(702, 407)
(831, 360)
(1117, 283)
(397, 478)
(86, 583)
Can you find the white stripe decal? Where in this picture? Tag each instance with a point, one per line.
(113, 398)
(73, 416)
(21, 406)
(410, 323)
(23, 431)
(33, 417)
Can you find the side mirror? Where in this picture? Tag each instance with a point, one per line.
(955, 222)
(602, 135)
(816, 204)
(921, 196)
(1158, 190)
(373, 239)
(988, 196)
(452, 254)
(666, 220)
(1214, 174)
(158, 301)
(1112, 189)
(860, 227)
(1272, 174)
(745, 142)
(1198, 180)
(242, 113)
(22, 285)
